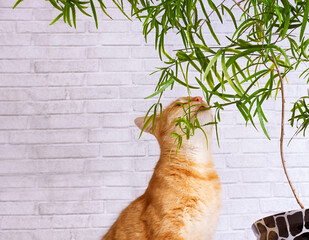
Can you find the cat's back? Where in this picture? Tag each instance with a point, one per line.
(129, 225)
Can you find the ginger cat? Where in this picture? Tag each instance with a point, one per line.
(182, 201)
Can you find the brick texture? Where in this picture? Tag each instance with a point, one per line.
(70, 157)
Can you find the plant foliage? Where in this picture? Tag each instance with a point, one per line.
(243, 69)
(300, 115)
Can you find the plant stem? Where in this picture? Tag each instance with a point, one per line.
(282, 113)
(238, 101)
(282, 133)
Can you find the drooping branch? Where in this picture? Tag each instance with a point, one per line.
(282, 111)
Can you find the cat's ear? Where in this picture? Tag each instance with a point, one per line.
(141, 121)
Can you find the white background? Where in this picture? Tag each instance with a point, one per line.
(70, 158)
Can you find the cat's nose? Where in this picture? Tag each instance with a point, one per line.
(198, 99)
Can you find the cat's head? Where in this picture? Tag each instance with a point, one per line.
(165, 124)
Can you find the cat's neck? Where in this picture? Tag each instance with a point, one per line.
(191, 152)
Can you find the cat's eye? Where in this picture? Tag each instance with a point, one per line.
(180, 104)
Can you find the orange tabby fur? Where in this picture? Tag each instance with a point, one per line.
(182, 201)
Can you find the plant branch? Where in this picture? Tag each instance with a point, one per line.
(238, 101)
(282, 133)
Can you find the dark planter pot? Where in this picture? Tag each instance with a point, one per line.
(292, 225)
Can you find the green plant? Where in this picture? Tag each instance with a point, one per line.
(300, 114)
(246, 71)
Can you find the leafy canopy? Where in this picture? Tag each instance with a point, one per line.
(245, 69)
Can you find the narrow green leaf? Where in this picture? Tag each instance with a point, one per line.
(226, 74)
(94, 13)
(56, 19)
(73, 15)
(203, 9)
(304, 48)
(82, 10)
(17, 3)
(304, 22)
(241, 110)
(286, 25)
(212, 32)
(205, 48)
(183, 57)
(281, 51)
(244, 26)
(65, 14)
(183, 83)
(278, 14)
(257, 76)
(240, 71)
(149, 120)
(236, 78)
(213, 6)
(68, 14)
(154, 118)
(164, 86)
(218, 105)
(121, 9)
(55, 4)
(201, 58)
(217, 117)
(261, 118)
(231, 15)
(210, 80)
(242, 54)
(202, 85)
(214, 91)
(212, 62)
(103, 8)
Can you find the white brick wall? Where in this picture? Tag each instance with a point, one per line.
(70, 158)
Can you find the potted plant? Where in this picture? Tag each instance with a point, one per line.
(244, 69)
